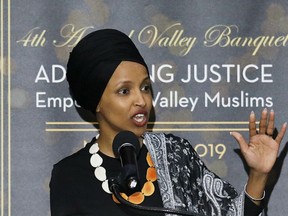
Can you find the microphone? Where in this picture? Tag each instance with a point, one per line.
(126, 146)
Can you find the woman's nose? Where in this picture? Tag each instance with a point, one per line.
(140, 99)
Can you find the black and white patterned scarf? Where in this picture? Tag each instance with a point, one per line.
(186, 183)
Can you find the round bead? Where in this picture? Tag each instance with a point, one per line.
(136, 198)
(96, 160)
(100, 173)
(94, 148)
(148, 188)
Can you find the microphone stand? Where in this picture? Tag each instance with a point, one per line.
(114, 187)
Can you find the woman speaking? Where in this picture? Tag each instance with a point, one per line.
(108, 76)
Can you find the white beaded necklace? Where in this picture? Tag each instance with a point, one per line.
(100, 172)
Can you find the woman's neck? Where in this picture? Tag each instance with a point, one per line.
(105, 142)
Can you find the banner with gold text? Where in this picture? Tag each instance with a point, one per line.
(211, 63)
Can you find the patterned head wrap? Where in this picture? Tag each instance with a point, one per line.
(93, 61)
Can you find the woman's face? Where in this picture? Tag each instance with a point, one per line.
(126, 101)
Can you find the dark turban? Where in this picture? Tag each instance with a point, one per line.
(93, 61)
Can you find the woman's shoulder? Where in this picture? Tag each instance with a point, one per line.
(75, 159)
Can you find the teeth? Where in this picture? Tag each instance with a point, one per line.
(139, 117)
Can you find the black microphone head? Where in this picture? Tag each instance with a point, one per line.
(125, 137)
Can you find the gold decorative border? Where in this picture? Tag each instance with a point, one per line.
(9, 105)
(62, 126)
(2, 106)
(5, 67)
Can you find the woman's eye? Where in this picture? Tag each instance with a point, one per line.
(146, 88)
(123, 91)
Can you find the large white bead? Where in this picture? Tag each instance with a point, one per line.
(94, 148)
(96, 160)
(105, 186)
(100, 173)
